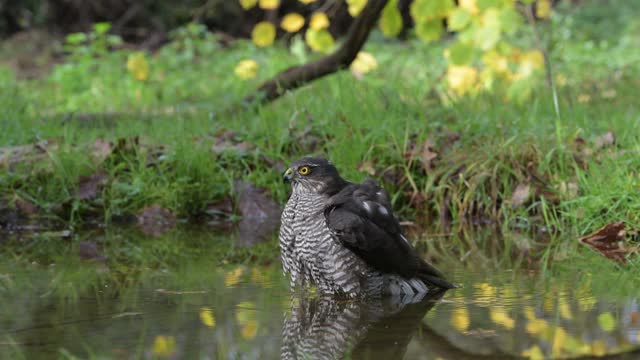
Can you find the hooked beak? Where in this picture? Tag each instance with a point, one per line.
(288, 175)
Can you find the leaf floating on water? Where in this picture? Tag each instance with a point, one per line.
(607, 322)
(207, 318)
(609, 241)
(164, 346)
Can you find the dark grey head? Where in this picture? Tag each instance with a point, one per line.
(314, 174)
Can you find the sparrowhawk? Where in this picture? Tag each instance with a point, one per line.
(344, 238)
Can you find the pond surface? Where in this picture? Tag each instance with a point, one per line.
(200, 311)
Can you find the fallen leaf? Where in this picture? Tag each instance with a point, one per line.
(260, 214)
(609, 241)
(367, 167)
(156, 220)
(520, 195)
(28, 154)
(569, 189)
(88, 250)
(26, 207)
(100, 150)
(605, 140)
(88, 186)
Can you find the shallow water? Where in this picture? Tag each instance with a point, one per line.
(245, 312)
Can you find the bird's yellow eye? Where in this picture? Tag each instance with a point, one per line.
(304, 170)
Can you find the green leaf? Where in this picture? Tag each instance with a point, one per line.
(510, 20)
(391, 20)
(487, 37)
(76, 38)
(101, 27)
(607, 322)
(461, 53)
(425, 10)
(486, 4)
(429, 30)
(459, 19)
(320, 40)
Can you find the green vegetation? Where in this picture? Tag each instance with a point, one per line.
(166, 129)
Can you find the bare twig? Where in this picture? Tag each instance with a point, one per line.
(298, 75)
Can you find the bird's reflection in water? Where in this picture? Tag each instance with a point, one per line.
(325, 328)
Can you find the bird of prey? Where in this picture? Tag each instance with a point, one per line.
(344, 238)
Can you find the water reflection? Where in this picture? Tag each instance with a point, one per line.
(323, 328)
(245, 312)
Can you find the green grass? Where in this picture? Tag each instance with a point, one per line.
(183, 107)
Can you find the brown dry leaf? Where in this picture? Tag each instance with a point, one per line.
(367, 167)
(156, 220)
(427, 153)
(520, 195)
(260, 214)
(88, 250)
(605, 140)
(12, 155)
(100, 150)
(26, 207)
(609, 241)
(88, 186)
(227, 140)
(568, 189)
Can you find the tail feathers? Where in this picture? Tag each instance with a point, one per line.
(437, 280)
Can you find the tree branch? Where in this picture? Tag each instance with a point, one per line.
(297, 76)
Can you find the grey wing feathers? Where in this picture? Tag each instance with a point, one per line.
(361, 218)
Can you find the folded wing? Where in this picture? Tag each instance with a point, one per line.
(360, 218)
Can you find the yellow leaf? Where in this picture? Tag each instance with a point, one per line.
(307, 1)
(565, 309)
(536, 326)
(356, 6)
(164, 346)
(607, 322)
(598, 348)
(543, 9)
(259, 277)
(429, 30)
(207, 318)
(248, 4)
(138, 66)
(269, 4)
(232, 278)
(500, 317)
(460, 319)
(292, 22)
(425, 10)
(363, 63)
(529, 313)
(461, 79)
(391, 20)
(558, 342)
(250, 330)
(246, 69)
(529, 63)
(319, 21)
(263, 34)
(496, 62)
(561, 80)
(469, 5)
(319, 40)
(533, 353)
